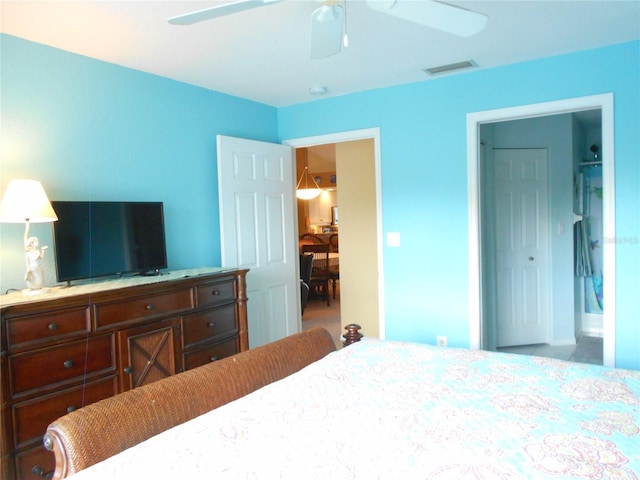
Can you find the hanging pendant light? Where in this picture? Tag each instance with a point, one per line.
(307, 193)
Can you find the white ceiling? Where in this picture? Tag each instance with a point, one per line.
(263, 54)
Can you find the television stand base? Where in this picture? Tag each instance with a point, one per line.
(151, 273)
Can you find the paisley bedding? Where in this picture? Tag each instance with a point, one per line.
(392, 410)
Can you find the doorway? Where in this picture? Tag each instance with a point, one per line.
(480, 329)
(318, 222)
(362, 281)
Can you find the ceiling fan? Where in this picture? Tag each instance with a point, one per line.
(328, 22)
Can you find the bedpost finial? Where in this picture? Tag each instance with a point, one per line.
(353, 334)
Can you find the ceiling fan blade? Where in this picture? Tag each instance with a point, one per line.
(440, 16)
(327, 25)
(219, 11)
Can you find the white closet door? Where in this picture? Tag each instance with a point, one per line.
(522, 251)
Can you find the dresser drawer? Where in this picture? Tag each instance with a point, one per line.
(216, 293)
(65, 363)
(34, 330)
(206, 326)
(210, 353)
(112, 313)
(30, 419)
(35, 464)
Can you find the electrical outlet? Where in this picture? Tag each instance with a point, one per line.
(441, 341)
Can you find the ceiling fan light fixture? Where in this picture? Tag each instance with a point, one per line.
(328, 13)
(327, 29)
(451, 67)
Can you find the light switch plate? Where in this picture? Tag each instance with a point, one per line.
(393, 239)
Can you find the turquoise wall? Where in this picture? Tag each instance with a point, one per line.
(89, 129)
(424, 179)
(93, 130)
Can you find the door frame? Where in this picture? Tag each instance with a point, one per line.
(348, 136)
(603, 102)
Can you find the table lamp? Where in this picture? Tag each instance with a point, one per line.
(26, 201)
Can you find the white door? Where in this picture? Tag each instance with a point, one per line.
(256, 187)
(521, 246)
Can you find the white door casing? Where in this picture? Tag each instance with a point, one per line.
(604, 102)
(378, 268)
(520, 220)
(257, 231)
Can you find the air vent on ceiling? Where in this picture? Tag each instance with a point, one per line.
(452, 67)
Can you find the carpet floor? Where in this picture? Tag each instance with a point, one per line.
(317, 314)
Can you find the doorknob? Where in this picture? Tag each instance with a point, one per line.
(531, 259)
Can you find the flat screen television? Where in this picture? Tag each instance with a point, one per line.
(97, 239)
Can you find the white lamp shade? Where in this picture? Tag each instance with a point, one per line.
(308, 193)
(26, 200)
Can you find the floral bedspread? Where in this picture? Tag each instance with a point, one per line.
(390, 410)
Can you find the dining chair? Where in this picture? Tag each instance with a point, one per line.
(320, 271)
(309, 238)
(333, 241)
(306, 265)
(334, 267)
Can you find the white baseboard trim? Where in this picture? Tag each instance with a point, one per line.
(562, 342)
(593, 332)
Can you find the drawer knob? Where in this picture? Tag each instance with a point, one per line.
(71, 408)
(211, 324)
(148, 307)
(128, 370)
(68, 363)
(52, 327)
(38, 470)
(215, 292)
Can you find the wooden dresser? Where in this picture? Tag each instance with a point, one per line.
(74, 346)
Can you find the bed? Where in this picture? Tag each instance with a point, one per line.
(395, 410)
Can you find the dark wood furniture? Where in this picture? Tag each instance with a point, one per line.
(320, 272)
(309, 238)
(334, 269)
(78, 345)
(352, 335)
(332, 240)
(306, 265)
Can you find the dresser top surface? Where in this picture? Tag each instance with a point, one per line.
(103, 285)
